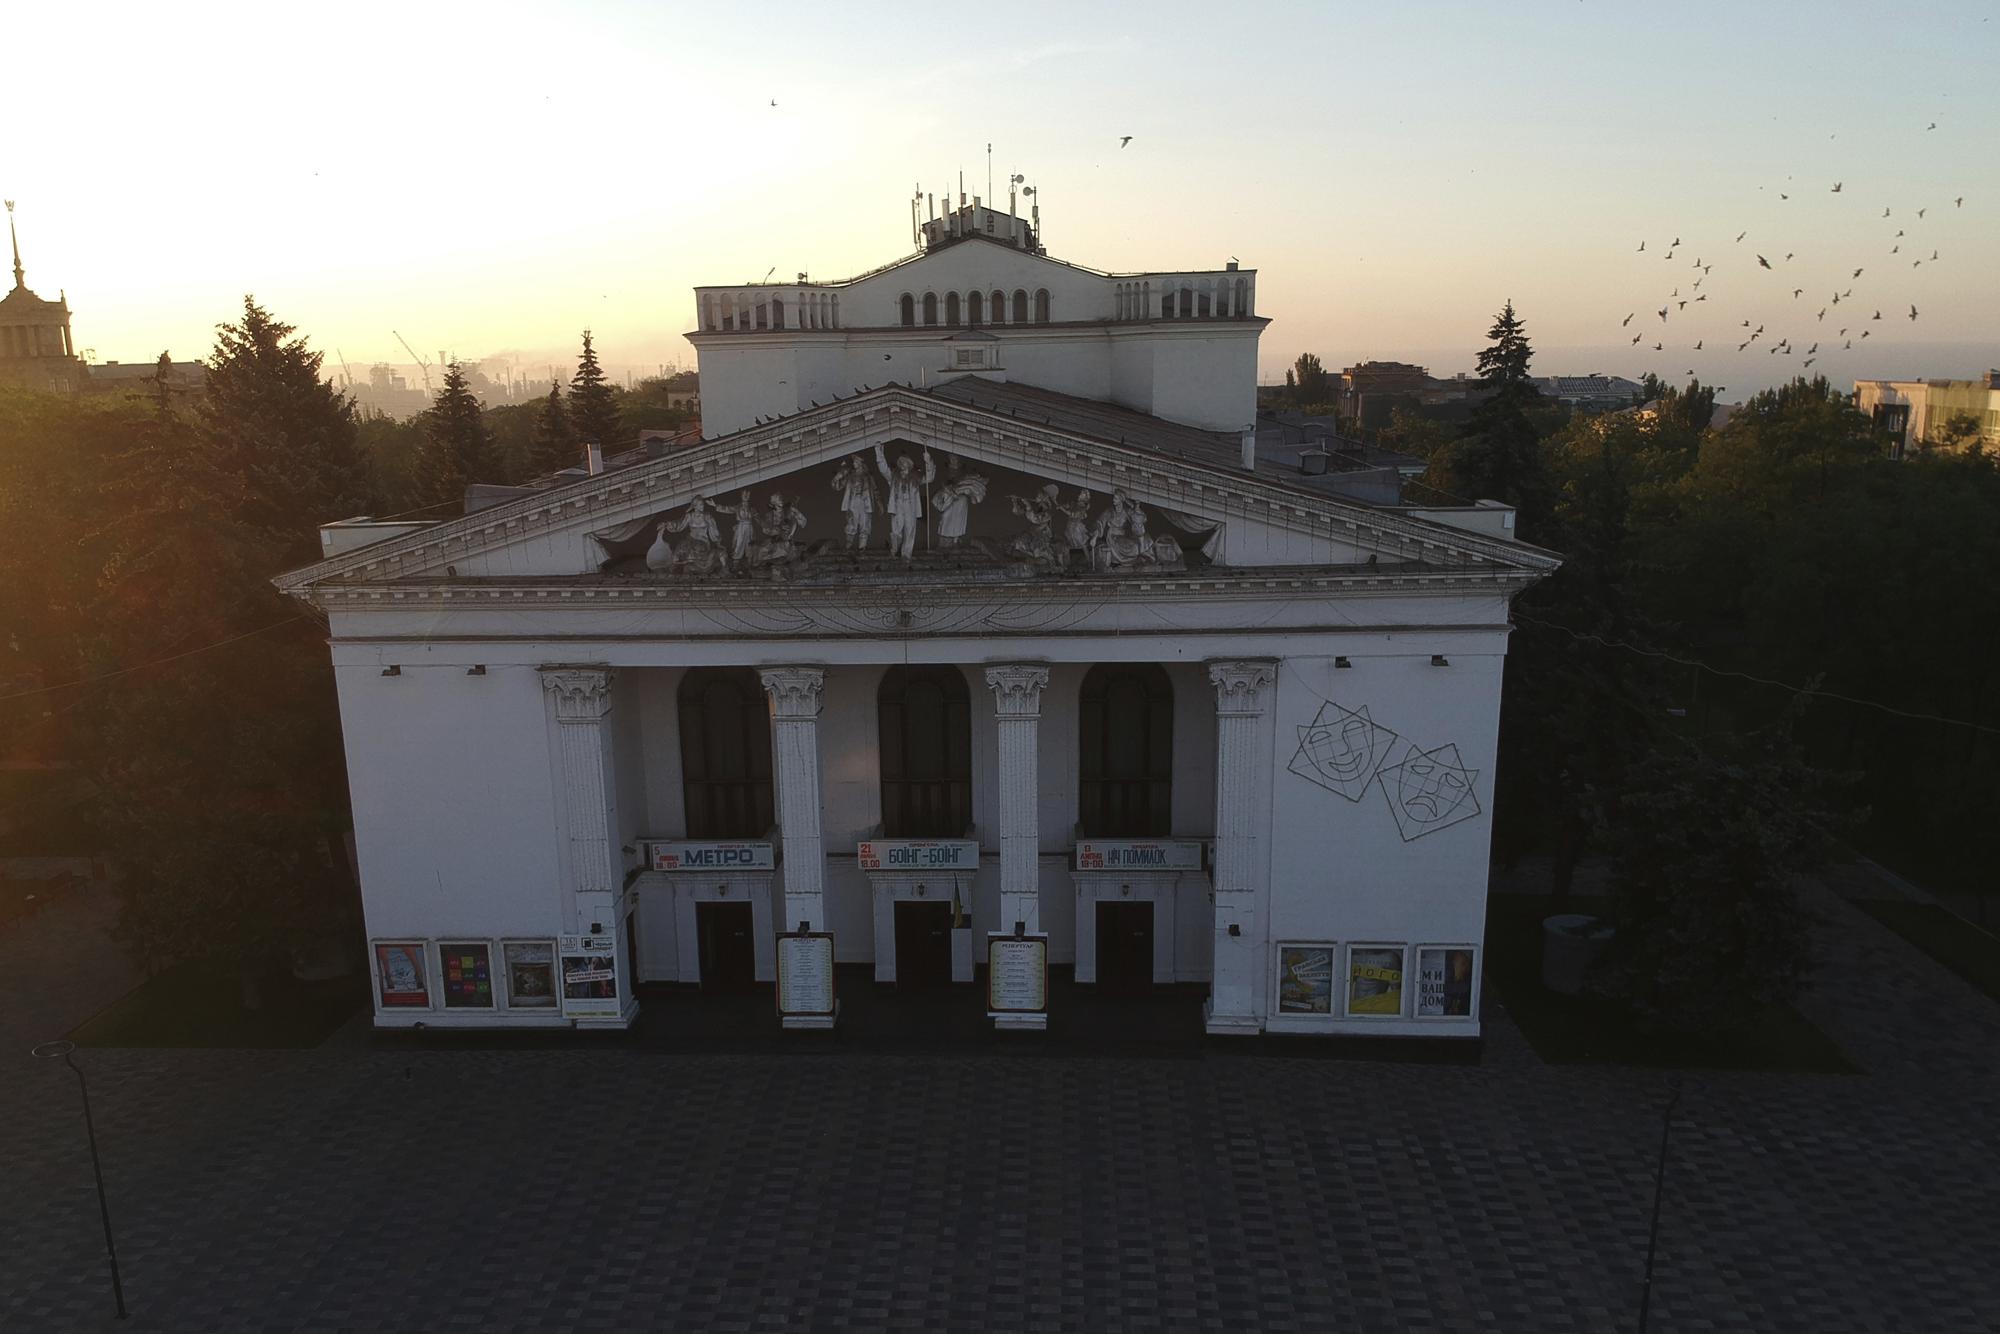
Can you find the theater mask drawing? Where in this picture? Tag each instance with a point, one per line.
(1340, 749)
(1429, 791)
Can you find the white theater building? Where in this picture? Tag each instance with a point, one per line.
(974, 639)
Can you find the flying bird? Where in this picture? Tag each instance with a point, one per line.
(1763, 263)
(1642, 245)
(1740, 346)
(1702, 297)
(1796, 291)
(1663, 314)
(1627, 320)
(1922, 211)
(1814, 348)
(1658, 348)
(1913, 314)
(1822, 313)
(1809, 361)
(1931, 126)
(1698, 343)
(1899, 231)
(1636, 338)
(1876, 316)
(1857, 273)
(1885, 212)
(1933, 254)
(1836, 187)
(1784, 196)
(1958, 202)
(774, 101)
(1894, 248)
(1847, 346)
(1124, 139)
(1864, 333)
(1745, 232)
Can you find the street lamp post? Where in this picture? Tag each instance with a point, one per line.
(49, 1051)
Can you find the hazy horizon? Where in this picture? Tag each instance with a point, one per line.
(490, 182)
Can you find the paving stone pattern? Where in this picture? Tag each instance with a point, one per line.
(362, 1188)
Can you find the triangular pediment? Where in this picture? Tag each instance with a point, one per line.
(1030, 490)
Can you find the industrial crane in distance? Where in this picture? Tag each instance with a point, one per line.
(422, 365)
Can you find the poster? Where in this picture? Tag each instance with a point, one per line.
(531, 974)
(1305, 979)
(1017, 974)
(399, 970)
(1444, 981)
(805, 973)
(917, 854)
(1138, 854)
(681, 855)
(1375, 980)
(590, 974)
(466, 971)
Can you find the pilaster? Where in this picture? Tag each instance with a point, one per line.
(1243, 740)
(584, 789)
(795, 704)
(1017, 707)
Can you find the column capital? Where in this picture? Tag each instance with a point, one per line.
(582, 694)
(1239, 685)
(1017, 689)
(794, 691)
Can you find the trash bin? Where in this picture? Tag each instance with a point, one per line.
(1571, 943)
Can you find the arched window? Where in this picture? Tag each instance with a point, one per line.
(835, 309)
(1020, 306)
(925, 720)
(975, 308)
(1125, 734)
(951, 309)
(1222, 299)
(1187, 301)
(1167, 305)
(1041, 305)
(777, 313)
(999, 307)
(725, 753)
(1206, 306)
(930, 307)
(909, 310)
(1242, 297)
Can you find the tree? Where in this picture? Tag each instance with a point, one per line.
(593, 405)
(458, 449)
(1960, 430)
(1707, 847)
(1497, 455)
(1687, 410)
(284, 436)
(1311, 379)
(553, 445)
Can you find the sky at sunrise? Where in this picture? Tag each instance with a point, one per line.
(491, 179)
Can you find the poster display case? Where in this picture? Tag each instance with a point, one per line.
(589, 974)
(1447, 981)
(465, 974)
(530, 974)
(401, 980)
(805, 975)
(1375, 981)
(1306, 971)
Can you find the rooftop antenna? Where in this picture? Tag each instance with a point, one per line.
(989, 171)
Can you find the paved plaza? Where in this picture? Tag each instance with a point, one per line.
(365, 1187)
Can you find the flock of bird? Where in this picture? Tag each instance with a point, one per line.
(1849, 326)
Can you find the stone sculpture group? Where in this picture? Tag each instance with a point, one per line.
(1054, 536)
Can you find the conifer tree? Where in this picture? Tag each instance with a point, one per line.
(1498, 454)
(458, 449)
(553, 446)
(593, 408)
(284, 434)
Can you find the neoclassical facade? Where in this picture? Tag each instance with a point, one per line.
(940, 683)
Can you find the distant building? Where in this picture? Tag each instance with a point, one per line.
(36, 349)
(1916, 412)
(1590, 393)
(184, 381)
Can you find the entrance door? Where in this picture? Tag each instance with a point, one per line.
(1125, 947)
(726, 940)
(923, 945)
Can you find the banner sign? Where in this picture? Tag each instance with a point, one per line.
(1138, 854)
(1017, 974)
(678, 855)
(589, 974)
(805, 973)
(918, 854)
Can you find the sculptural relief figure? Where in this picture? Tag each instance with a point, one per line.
(906, 498)
(660, 555)
(954, 500)
(857, 501)
(779, 526)
(702, 552)
(743, 534)
(1076, 531)
(1037, 543)
(1113, 538)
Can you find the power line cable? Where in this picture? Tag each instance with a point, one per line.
(1587, 636)
(156, 662)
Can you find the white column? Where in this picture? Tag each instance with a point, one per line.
(1243, 721)
(1017, 706)
(592, 873)
(795, 693)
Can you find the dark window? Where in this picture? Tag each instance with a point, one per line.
(930, 307)
(1167, 304)
(975, 306)
(1020, 306)
(1042, 306)
(909, 310)
(925, 715)
(1125, 730)
(951, 309)
(725, 753)
(999, 307)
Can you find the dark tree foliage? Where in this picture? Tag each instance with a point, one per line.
(1497, 455)
(553, 445)
(284, 436)
(1687, 410)
(593, 404)
(1706, 849)
(1311, 379)
(458, 449)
